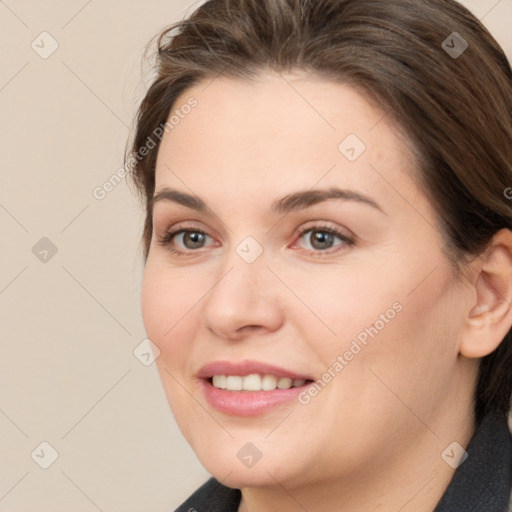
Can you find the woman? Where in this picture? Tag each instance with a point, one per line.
(328, 253)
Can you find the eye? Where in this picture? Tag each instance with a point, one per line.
(190, 239)
(186, 241)
(322, 238)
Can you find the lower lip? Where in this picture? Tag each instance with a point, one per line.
(248, 403)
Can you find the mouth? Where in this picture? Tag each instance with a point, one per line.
(255, 382)
(250, 388)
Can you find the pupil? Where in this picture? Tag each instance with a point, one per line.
(196, 238)
(321, 237)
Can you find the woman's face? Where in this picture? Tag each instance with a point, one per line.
(273, 280)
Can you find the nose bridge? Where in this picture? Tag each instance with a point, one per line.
(242, 295)
(243, 268)
(241, 279)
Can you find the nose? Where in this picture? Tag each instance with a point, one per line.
(244, 300)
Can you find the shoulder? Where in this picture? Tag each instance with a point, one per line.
(212, 496)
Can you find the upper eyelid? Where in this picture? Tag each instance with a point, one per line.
(309, 225)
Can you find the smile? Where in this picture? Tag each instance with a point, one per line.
(250, 388)
(255, 382)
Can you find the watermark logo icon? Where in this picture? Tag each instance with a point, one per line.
(44, 455)
(249, 249)
(352, 147)
(455, 45)
(44, 45)
(454, 455)
(44, 250)
(146, 352)
(249, 455)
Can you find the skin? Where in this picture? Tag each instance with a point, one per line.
(372, 438)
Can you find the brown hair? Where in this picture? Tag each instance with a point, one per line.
(455, 107)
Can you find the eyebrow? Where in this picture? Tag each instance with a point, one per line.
(289, 203)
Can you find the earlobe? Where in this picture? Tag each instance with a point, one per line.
(490, 317)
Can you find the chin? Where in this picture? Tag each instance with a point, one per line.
(238, 477)
(231, 464)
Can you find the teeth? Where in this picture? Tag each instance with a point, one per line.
(219, 381)
(252, 382)
(269, 383)
(234, 383)
(255, 382)
(284, 383)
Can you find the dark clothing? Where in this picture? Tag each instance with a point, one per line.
(482, 483)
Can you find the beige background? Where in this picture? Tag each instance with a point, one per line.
(69, 325)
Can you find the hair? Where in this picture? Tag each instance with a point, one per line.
(456, 109)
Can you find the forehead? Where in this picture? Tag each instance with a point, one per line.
(281, 130)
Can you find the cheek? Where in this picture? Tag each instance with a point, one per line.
(412, 359)
(155, 304)
(384, 322)
(167, 310)
(168, 315)
(342, 304)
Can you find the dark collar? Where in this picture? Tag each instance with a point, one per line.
(482, 483)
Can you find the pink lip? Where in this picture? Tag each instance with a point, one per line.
(247, 403)
(246, 368)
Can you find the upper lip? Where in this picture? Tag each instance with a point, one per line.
(244, 368)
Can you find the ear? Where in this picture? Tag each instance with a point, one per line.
(490, 317)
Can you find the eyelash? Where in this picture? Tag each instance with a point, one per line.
(169, 235)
